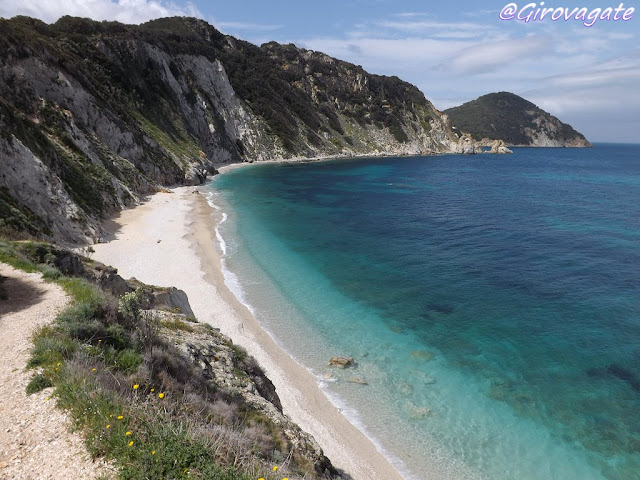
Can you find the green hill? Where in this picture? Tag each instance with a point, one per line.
(515, 120)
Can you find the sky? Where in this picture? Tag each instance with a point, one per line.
(454, 51)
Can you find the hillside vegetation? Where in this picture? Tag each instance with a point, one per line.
(515, 120)
(95, 114)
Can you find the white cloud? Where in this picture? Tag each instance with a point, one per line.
(125, 11)
(488, 57)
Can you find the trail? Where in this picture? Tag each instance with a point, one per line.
(35, 438)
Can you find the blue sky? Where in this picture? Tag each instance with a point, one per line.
(453, 51)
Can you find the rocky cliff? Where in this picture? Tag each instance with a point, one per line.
(95, 114)
(515, 120)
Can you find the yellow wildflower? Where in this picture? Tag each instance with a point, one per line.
(275, 468)
(136, 386)
(130, 444)
(153, 390)
(161, 395)
(93, 369)
(119, 417)
(108, 425)
(153, 452)
(127, 433)
(58, 364)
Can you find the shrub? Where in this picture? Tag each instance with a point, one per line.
(128, 360)
(38, 383)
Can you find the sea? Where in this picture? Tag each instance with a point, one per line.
(491, 302)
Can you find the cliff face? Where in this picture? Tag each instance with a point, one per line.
(92, 115)
(515, 120)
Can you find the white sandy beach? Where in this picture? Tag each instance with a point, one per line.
(170, 241)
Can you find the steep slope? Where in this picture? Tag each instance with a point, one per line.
(94, 114)
(515, 120)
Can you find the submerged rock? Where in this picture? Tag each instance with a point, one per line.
(358, 380)
(341, 362)
(422, 355)
(418, 412)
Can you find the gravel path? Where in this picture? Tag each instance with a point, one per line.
(35, 440)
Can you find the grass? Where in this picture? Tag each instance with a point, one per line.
(114, 374)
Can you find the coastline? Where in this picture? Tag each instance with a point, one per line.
(170, 241)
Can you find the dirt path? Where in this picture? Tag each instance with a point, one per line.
(35, 441)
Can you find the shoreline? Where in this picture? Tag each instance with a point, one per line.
(170, 241)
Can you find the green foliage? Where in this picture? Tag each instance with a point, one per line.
(128, 360)
(50, 273)
(503, 116)
(51, 345)
(3, 292)
(38, 383)
(17, 219)
(174, 323)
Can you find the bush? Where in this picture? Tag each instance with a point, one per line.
(128, 360)
(38, 383)
(50, 346)
(3, 292)
(50, 273)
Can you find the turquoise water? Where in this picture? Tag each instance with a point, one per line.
(492, 303)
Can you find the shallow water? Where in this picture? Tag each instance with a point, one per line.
(492, 303)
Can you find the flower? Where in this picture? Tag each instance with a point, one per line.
(275, 468)
(153, 452)
(130, 444)
(58, 364)
(99, 341)
(136, 386)
(285, 478)
(161, 395)
(153, 390)
(111, 415)
(108, 426)
(127, 433)
(119, 417)
(93, 369)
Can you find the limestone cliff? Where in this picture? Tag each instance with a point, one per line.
(95, 114)
(515, 120)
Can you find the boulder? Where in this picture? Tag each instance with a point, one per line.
(341, 362)
(498, 146)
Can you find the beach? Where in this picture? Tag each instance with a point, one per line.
(170, 241)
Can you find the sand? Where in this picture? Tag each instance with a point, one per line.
(170, 241)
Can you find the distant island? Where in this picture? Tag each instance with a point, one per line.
(515, 120)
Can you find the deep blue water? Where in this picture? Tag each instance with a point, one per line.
(492, 303)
